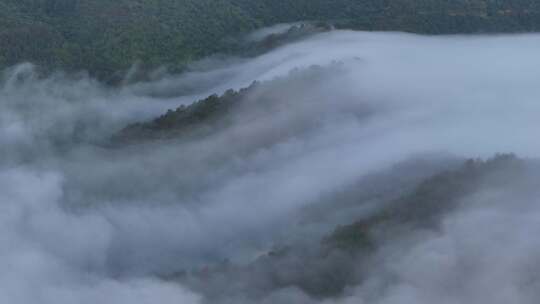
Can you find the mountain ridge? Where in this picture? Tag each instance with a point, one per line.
(107, 38)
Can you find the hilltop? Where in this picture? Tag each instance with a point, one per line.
(107, 37)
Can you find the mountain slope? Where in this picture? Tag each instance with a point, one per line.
(105, 37)
(346, 256)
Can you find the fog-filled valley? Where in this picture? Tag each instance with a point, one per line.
(343, 167)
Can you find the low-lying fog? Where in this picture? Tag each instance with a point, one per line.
(81, 222)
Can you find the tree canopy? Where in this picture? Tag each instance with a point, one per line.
(105, 37)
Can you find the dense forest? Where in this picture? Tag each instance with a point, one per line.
(107, 37)
(209, 115)
(342, 258)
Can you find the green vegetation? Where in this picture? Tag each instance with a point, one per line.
(433, 198)
(186, 121)
(324, 269)
(107, 37)
(215, 112)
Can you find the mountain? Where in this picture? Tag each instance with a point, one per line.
(107, 37)
(345, 257)
(207, 116)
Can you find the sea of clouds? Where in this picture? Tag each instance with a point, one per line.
(81, 222)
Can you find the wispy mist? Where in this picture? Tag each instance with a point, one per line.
(83, 222)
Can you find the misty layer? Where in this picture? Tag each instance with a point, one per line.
(243, 205)
(359, 253)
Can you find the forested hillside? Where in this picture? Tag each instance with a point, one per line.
(214, 112)
(105, 37)
(342, 258)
